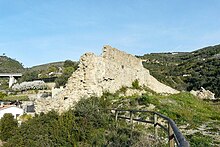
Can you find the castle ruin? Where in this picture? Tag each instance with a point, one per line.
(97, 74)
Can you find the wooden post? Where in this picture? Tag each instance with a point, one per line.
(131, 123)
(171, 136)
(131, 119)
(155, 126)
(116, 117)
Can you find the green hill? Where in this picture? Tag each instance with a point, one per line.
(91, 124)
(187, 71)
(8, 65)
(58, 72)
(45, 67)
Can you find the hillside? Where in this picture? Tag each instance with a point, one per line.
(57, 72)
(90, 124)
(180, 70)
(45, 67)
(187, 71)
(8, 65)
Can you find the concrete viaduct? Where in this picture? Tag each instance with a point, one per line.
(11, 76)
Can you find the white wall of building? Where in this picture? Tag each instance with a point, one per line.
(15, 111)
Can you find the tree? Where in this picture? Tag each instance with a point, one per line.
(53, 68)
(69, 68)
(69, 63)
(62, 80)
(7, 126)
(29, 76)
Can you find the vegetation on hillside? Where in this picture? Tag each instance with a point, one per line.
(14, 97)
(2, 95)
(69, 67)
(5, 97)
(42, 72)
(45, 67)
(7, 126)
(4, 83)
(58, 72)
(187, 71)
(90, 124)
(28, 76)
(87, 125)
(8, 65)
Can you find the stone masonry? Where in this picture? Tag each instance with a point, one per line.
(97, 74)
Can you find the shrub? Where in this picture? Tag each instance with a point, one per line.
(123, 89)
(7, 126)
(2, 95)
(87, 125)
(135, 84)
(62, 80)
(143, 100)
(29, 76)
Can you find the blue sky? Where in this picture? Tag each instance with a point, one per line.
(42, 31)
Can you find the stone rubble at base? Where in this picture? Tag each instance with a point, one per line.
(203, 94)
(98, 74)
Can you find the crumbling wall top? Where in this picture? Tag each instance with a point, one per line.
(120, 57)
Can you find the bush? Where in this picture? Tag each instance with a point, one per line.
(89, 124)
(29, 76)
(143, 100)
(62, 80)
(69, 63)
(135, 84)
(123, 89)
(2, 95)
(7, 126)
(84, 126)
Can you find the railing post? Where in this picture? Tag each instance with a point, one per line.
(131, 123)
(131, 119)
(170, 136)
(116, 118)
(155, 126)
(175, 137)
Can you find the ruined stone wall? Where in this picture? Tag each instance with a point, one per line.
(97, 74)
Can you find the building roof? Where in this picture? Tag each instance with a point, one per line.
(8, 106)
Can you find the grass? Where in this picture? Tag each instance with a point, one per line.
(15, 97)
(200, 140)
(183, 108)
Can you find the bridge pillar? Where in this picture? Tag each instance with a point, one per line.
(12, 80)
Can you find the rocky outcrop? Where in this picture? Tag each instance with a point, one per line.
(97, 74)
(203, 94)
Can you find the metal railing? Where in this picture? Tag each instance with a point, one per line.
(175, 137)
